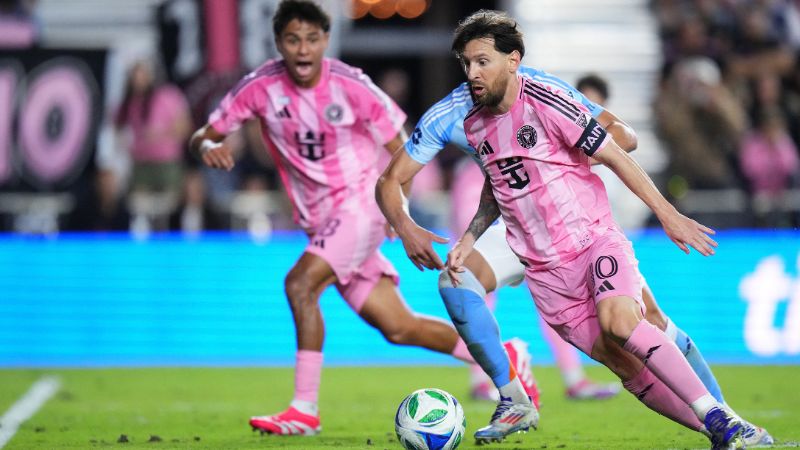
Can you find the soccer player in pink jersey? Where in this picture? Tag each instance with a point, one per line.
(320, 119)
(534, 144)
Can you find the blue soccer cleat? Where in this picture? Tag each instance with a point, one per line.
(725, 429)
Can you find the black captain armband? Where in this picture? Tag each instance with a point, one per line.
(593, 135)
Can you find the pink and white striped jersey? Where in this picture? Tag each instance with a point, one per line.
(324, 139)
(536, 156)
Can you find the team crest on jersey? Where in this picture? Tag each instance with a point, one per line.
(526, 136)
(582, 120)
(334, 113)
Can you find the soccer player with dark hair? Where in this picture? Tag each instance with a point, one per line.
(493, 265)
(594, 87)
(324, 123)
(534, 144)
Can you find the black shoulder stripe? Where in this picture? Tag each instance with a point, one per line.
(558, 99)
(569, 114)
(472, 112)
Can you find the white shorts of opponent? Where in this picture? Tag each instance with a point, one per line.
(505, 265)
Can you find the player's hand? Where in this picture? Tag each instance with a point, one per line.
(686, 232)
(456, 257)
(217, 156)
(418, 243)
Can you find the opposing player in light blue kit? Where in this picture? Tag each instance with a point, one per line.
(494, 265)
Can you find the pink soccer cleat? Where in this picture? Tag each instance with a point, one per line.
(517, 350)
(485, 391)
(587, 389)
(288, 423)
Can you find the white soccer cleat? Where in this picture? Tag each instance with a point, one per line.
(288, 423)
(754, 436)
(508, 418)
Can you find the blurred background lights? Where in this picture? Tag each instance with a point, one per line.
(385, 9)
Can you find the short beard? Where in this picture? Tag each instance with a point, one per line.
(494, 96)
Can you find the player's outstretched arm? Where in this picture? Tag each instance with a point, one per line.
(417, 241)
(683, 231)
(207, 144)
(488, 212)
(624, 135)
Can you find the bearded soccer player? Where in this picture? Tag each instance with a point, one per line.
(320, 119)
(493, 265)
(534, 144)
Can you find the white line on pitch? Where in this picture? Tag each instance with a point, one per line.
(26, 407)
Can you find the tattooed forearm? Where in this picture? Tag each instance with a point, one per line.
(488, 211)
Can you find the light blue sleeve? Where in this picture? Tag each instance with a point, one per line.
(441, 124)
(557, 83)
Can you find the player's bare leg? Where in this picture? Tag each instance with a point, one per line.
(387, 311)
(479, 267)
(304, 284)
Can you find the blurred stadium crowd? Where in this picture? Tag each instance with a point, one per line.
(728, 106)
(726, 109)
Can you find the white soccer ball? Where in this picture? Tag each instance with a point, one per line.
(430, 419)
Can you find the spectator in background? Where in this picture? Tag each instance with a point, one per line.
(424, 202)
(701, 123)
(758, 45)
(767, 93)
(19, 27)
(154, 122)
(769, 161)
(755, 45)
(594, 88)
(791, 96)
(232, 199)
(396, 84)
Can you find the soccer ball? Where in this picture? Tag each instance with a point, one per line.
(430, 419)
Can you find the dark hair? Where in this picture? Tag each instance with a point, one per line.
(594, 81)
(123, 116)
(489, 24)
(302, 10)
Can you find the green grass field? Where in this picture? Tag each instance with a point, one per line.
(207, 408)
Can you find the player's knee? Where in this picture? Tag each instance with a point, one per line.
(617, 318)
(656, 317)
(401, 333)
(468, 283)
(445, 280)
(298, 289)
